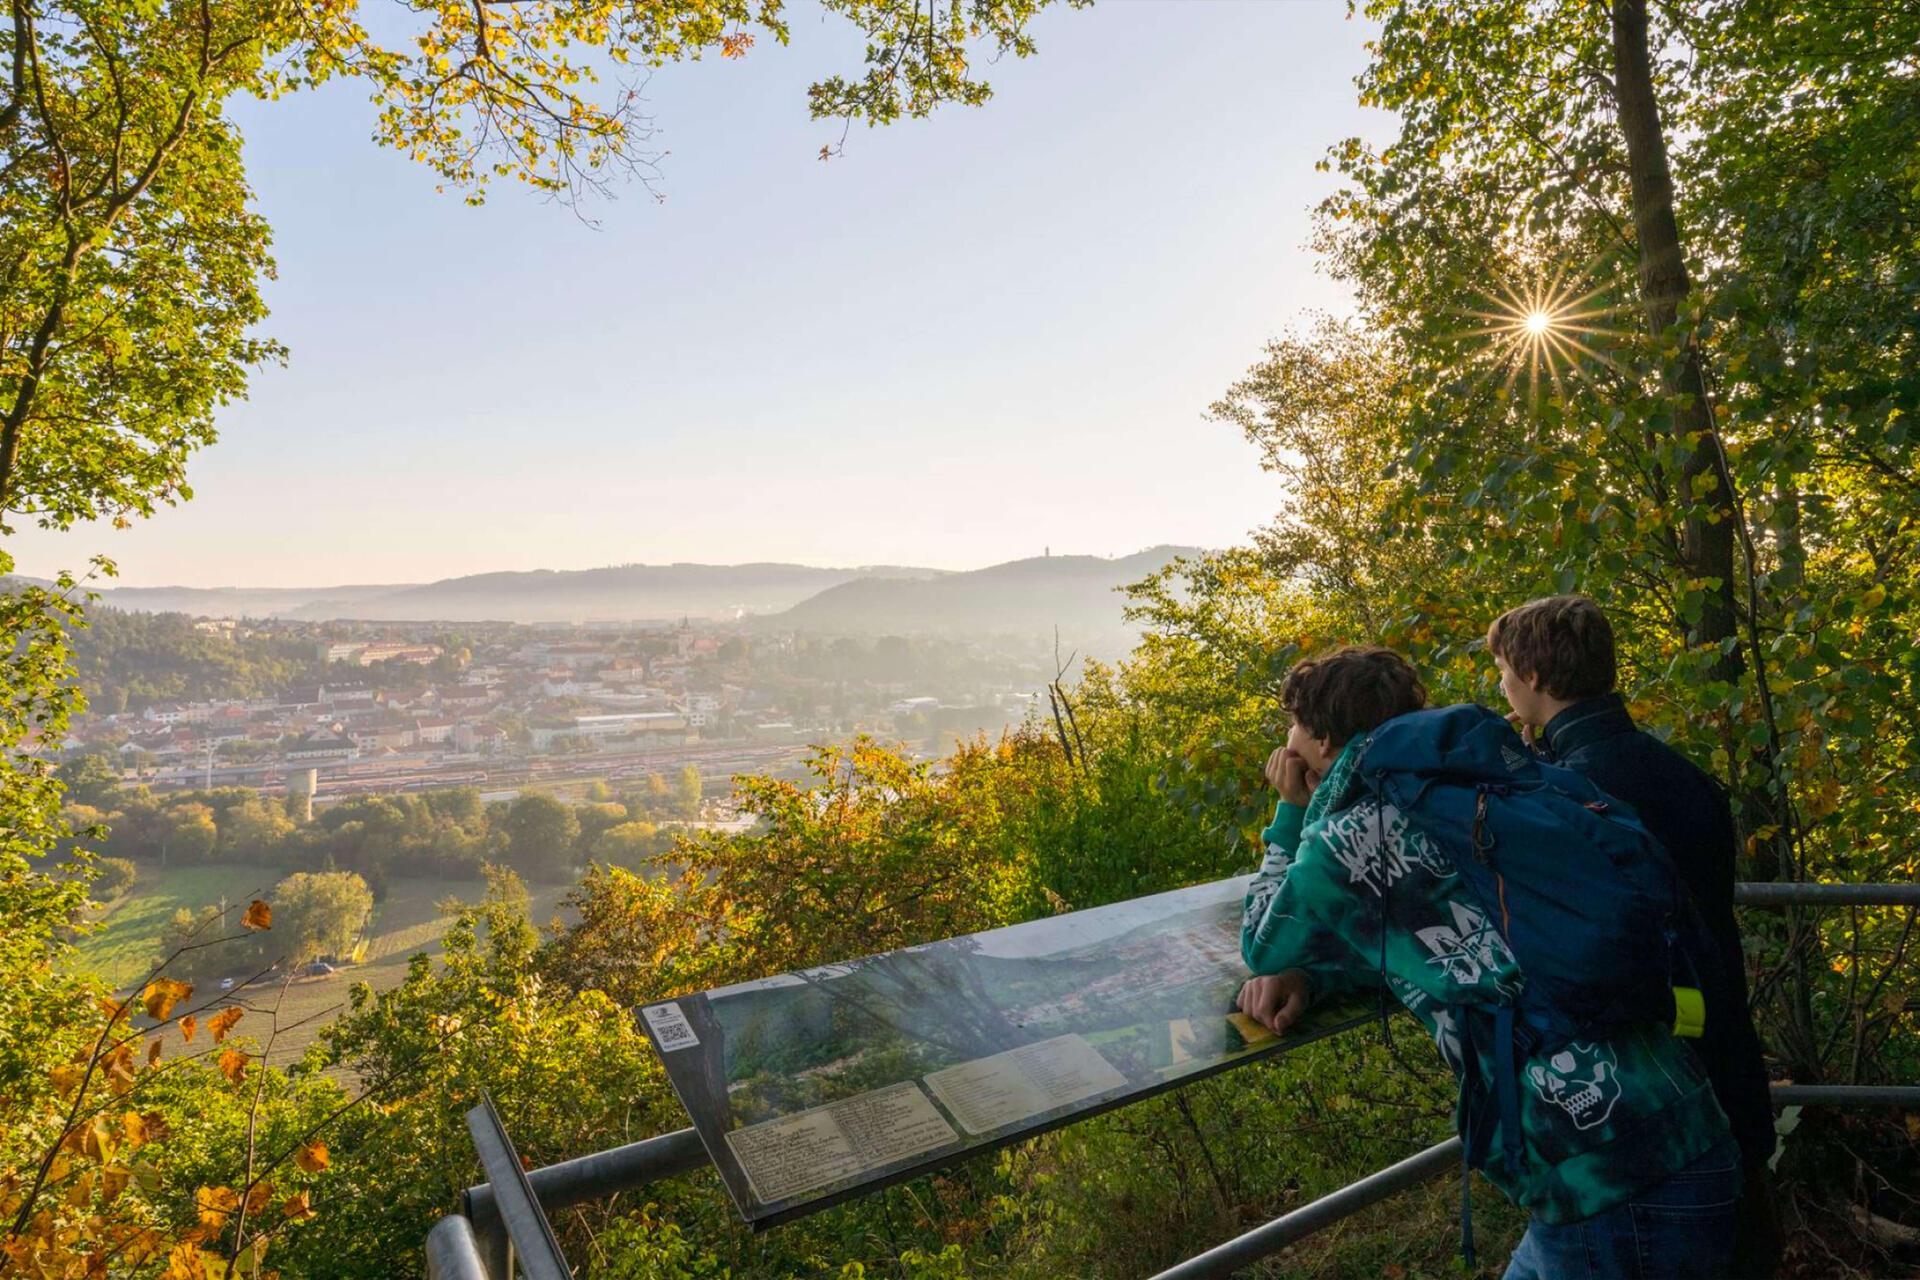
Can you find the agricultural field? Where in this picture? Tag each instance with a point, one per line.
(124, 944)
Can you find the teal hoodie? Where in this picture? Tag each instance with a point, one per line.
(1599, 1121)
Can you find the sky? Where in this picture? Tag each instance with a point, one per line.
(967, 340)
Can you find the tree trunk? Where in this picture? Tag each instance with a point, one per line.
(1704, 491)
(1707, 536)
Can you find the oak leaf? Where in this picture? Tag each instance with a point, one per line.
(259, 916)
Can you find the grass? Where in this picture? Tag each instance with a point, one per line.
(126, 941)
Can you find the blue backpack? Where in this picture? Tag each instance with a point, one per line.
(1588, 901)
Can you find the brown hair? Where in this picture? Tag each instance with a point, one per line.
(1561, 644)
(1349, 690)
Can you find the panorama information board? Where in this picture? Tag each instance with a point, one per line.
(812, 1087)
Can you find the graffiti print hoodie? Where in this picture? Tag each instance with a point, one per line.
(1349, 889)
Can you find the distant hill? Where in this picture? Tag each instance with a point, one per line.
(1078, 594)
(239, 602)
(627, 592)
(1075, 593)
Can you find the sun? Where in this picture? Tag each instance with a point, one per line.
(1544, 331)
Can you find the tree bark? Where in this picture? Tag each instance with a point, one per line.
(1707, 536)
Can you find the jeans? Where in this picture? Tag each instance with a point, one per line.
(1680, 1227)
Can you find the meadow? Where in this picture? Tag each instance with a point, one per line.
(123, 945)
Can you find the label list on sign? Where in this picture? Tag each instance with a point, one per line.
(992, 1093)
(797, 1153)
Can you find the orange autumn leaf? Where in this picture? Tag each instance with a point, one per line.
(161, 995)
(153, 1053)
(296, 1207)
(133, 1126)
(257, 1198)
(188, 1025)
(312, 1158)
(259, 916)
(222, 1022)
(233, 1065)
(113, 1180)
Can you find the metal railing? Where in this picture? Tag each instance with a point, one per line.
(494, 1225)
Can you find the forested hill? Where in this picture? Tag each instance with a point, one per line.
(1078, 594)
(132, 660)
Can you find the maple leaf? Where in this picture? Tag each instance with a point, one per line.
(188, 1025)
(736, 45)
(161, 995)
(312, 1158)
(222, 1022)
(233, 1065)
(259, 916)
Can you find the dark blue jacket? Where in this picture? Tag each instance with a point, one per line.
(1687, 811)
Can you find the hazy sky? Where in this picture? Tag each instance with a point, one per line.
(970, 338)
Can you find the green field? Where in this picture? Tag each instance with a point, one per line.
(126, 939)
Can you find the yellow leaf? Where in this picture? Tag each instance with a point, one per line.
(96, 1140)
(312, 1158)
(153, 1052)
(297, 1208)
(186, 1262)
(161, 995)
(67, 1077)
(233, 1065)
(222, 1022)
(113, 1180)
(188, 1025)
(259, 916)
(258, 1197)
(214, 1204)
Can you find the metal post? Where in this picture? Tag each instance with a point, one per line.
(601, 1174)
(527, 1226)
(452, 1253)
(1846, 1095)
(1756, 893)
(1225, 1259)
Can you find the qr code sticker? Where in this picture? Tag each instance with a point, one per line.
(671, 1030)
